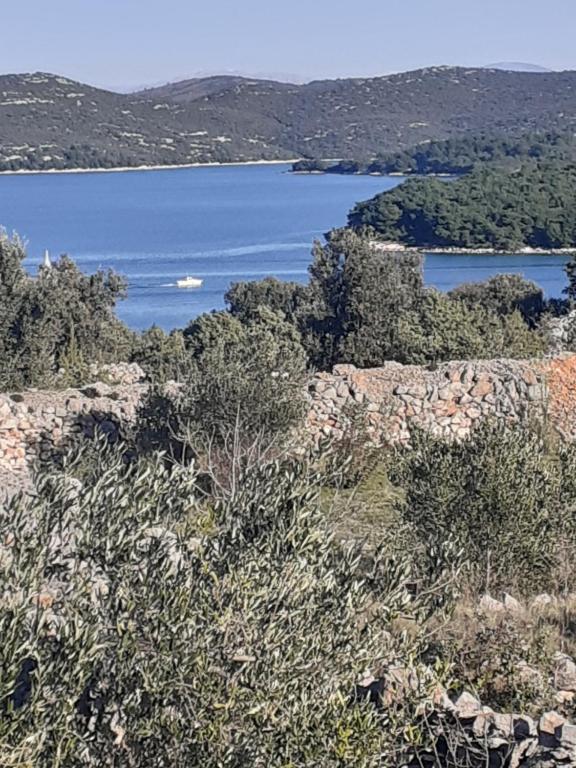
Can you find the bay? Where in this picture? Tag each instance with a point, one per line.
(222, 224)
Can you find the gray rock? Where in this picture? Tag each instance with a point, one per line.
(467, 706)
(489, 605)
(564, 673)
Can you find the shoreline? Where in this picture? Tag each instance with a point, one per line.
(455, 251)
(128, 168)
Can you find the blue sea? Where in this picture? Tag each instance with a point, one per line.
(222, 224)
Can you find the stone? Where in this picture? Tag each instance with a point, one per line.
(568, 735)
(522, 752)
(489, 605)
(467, 706)
(511, 604)
(529, 675)
(564, 673)
(550, 729)
(482, 388)
(542, 601)
(343, 390)
(504, 724)
(529, 377)
(564, 697)
(344, 369)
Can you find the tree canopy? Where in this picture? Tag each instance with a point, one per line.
(533, 206)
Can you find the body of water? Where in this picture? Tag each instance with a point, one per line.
(222, 224)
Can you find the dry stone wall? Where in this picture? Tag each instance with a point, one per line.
(447, 401)
(35, 425)
(394, 399)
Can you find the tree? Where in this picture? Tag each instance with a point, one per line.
(162, 356)
(59, 319)
(504, 294)
(246, 376)
(145, 625)
(245, 299)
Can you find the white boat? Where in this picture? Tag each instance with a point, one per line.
(189, 282)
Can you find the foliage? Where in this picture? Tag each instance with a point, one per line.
(245, 376)
(530, 207)
(245, 299)
(440, 328)
(504, 295)
(456, 155)
(145, 626)
(502, 495)
(162, 356)
(54, 325)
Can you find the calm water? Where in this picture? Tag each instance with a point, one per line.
(221, 224)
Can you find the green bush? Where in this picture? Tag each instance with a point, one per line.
(144, 625)
(243, 377)
(503, 495)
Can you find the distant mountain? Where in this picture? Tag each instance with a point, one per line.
(185, 91)
(48, 121)
(518, 66)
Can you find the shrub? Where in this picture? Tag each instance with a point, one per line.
(143, 625)
(243, 377)
(499, 494)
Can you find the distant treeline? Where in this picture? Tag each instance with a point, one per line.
(533, 206)
(455, 156)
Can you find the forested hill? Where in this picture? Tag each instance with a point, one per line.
(52, 122)
(533, 207)
(457, 155)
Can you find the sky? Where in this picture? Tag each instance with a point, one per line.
(126, 44)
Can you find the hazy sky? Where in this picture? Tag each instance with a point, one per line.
(128, 43)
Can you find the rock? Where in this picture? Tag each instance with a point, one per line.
(550, 729)
(344, 369)
(511, 604)
(482, 723)
(564, 673)
(467, 706)
(482, 388)
(522, 752)
(542, 601)
(568, 735)
(529, 675)
(489, 605)
(342, 390)
(564, 697)
(503, 724)
(441, 700)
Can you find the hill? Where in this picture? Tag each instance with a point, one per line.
(53, 122)
(518, 66)
(532, 207)
(185, 91)
(456, 155)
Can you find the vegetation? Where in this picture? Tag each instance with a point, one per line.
(457, 155)
(53, 326)
(516, 491)
(46, 122)
(147, 621)
(531, 207)
(145, 625)
(364, 306)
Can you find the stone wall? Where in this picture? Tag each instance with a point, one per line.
(35, 425)
(447, 401)
(394, 399)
